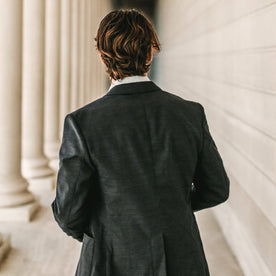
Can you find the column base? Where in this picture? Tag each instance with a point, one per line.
(54, 164)
(36, 167)
(19, 213)
(39, 184)
(5, 246)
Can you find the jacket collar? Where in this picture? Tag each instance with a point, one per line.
(129, 79)
(133, 88)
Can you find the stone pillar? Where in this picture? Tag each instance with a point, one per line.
(97, 72)
(52, 58)
(102, 73)
(96, 62)
(34, 163)
(82, 60)
(93, 53)
(75, 55)
(65, 68)
(89, 42)
(16, 201)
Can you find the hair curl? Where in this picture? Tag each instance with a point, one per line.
(125, 40)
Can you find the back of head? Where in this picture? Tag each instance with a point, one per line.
(125, 40)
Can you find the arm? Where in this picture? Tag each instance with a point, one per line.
(75, 178)
(211, 183)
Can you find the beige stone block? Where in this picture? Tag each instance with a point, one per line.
(19, 213)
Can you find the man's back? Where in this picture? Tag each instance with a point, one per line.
(142, 149)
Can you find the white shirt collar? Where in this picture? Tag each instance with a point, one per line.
(129, 80)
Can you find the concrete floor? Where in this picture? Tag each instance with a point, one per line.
(41, 248)
(219, 256)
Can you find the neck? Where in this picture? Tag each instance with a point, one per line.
(112, 80)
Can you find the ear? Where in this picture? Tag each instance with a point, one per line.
(150, 57)
(101, 57)
(105, 66)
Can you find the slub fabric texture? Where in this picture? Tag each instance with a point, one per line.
(134, 166)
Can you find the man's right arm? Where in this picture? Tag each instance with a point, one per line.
(211, 183)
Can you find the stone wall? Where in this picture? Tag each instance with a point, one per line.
(222, 54)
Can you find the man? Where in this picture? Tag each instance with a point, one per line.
(127, 164)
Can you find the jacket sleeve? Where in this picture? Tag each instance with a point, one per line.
(75, 178)
(211, 183)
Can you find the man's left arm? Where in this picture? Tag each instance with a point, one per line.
(75, 178)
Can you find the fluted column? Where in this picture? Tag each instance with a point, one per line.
(96, 62)
(16, 201)
(52, 70)
(105, 81)
(93, 26)
(82, 42)
(75, 55)
(34, 163)
(65, 65)
(102, 74)
(98, 73)
(89, 42)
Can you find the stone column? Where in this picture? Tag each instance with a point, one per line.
(102, 74)
(16, 201)
(105, 80)
(82, 60)
(75, 55)
(34, 163)
(92, 50)
(97, 72)
(89, 42)
(52, 58)
(96, 66)
(65, 68)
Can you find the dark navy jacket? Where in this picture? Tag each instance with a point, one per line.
(134, 166)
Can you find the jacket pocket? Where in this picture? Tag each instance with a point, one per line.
(158, 253)
(86, 256)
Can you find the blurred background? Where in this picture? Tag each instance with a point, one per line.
(220, 53)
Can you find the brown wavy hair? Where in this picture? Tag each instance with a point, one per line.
(125, 40)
